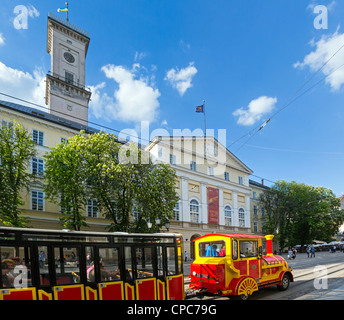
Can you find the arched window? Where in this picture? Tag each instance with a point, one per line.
(194, 211)
(228, 215)
(241, 217)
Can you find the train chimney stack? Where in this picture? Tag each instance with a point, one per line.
(269, 238)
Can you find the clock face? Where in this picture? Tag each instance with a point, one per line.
(69, 57)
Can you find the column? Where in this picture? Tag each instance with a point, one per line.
(248, 212)
(185, 199)
(235, 215)
(204, 203)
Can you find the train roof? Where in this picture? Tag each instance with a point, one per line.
(232, 235)
(89, 233)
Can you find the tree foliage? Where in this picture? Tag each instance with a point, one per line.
(121, 177)
(300, 213)
(16, 150)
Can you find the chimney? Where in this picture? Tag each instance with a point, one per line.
(269, 238)
(262, 181)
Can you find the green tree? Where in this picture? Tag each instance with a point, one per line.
(300, 213)
(16, 150)
(121, 177)
(65, 182)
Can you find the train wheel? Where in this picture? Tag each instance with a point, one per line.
(284, 283)
(246, 288)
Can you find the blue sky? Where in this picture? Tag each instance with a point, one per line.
(155, 60)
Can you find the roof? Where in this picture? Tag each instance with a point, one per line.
(232, 235)
(257, 184)
(68, 24)
(158, 139)
(44, 116)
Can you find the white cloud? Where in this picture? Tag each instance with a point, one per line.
(23, 85)
(2, 39)
(255, 110)
(181, 79)
(135, 99)
(325, 48)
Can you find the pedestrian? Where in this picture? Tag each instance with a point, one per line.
(312, 252)
(308, 250)
(186, 256)
(294, 253)
(290, 253)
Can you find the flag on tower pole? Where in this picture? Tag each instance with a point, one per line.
(64, 9)
(201, 109)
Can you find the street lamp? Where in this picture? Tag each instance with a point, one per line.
(158, 224)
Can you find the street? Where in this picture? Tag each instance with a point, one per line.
(319, 278)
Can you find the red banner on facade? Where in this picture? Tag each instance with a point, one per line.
(213, 205)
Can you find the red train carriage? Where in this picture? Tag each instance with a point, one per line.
(234, 265)
(67, 265)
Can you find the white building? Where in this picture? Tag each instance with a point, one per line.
(213, 186)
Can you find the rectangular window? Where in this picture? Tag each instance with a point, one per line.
(210, 170)
(171, 261)
(226, 176)
(144, 262)
(177, 211)
(15, 262)
(241, 181)
(38, 137)
(128, 264)
(212, 249)
(173, 159)
(67, 265)
(37, 200)
(109, 264)
(235, 250)
(248, 249)
(193, 165)
(37, 166)
(69, 77)
(92, 208)
(43, 265)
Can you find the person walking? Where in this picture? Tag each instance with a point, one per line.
(312, 252)
(186, 256)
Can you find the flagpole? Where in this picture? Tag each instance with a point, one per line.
(67, 11)
(205, 127)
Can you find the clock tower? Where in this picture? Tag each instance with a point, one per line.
(66, 94)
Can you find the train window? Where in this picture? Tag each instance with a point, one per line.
(212, 249)
(109, 264)
(67, 265)
(160, 261)
(127, 264)
(43, 265)
(15, 267)
(144, 262)
(248, 249)
(171, 261)
(235, 250)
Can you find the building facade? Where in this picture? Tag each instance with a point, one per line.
(257, 210)
(213, 186)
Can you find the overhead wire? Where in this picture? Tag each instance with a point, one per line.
(289, 101)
